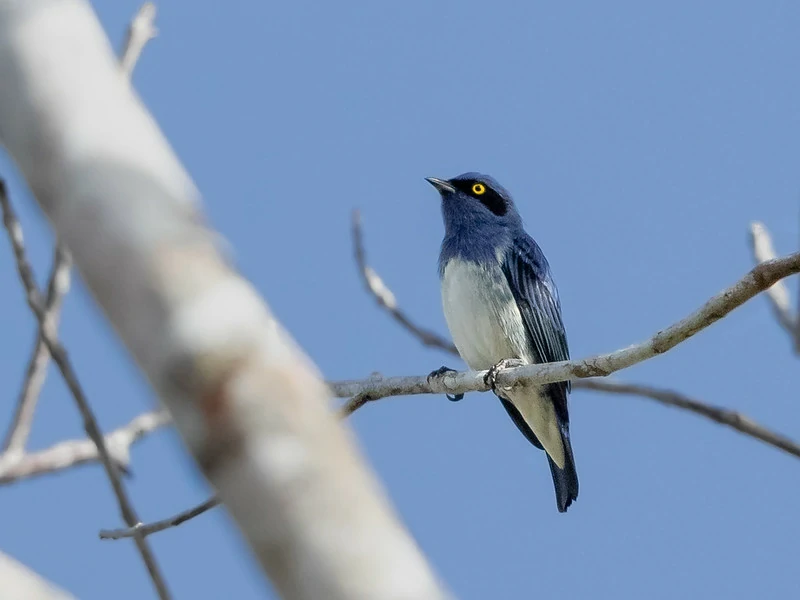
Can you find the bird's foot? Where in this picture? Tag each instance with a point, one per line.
(439, 373)
(507, 363)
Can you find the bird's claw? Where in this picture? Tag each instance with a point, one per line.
(490, 378)
(442, 371)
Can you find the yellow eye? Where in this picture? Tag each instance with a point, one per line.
(478, 189)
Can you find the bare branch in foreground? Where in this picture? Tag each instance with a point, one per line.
(777, 294)
(36, 371)
(156, 526)
(249, 405)
(723, 416)
(71, 453)
(141, 30)
(18, 581)
(59, 354)
(384, 296)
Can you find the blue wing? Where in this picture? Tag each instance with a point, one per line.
(528, 274)
(535, 292)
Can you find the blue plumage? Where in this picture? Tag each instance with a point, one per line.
(501, 302)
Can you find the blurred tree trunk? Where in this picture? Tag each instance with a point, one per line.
(249, 405)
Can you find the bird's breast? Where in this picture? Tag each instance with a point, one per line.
(482, 315)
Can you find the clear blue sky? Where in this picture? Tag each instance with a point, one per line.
(639, 141)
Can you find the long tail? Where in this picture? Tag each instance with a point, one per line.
(565, 480)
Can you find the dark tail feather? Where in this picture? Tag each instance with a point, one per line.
(565, 480)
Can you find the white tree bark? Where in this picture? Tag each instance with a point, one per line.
(250, 406)
(18, 581)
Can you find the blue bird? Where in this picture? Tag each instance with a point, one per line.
(502, 308)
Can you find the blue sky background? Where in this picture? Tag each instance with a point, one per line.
(640, 140)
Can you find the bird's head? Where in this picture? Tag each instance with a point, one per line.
(475, 198)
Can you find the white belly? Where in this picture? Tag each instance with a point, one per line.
(487, 327)
(482, 315)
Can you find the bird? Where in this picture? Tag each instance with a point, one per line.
(502, 308)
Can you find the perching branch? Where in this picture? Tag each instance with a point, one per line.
(59, 354)
(71, 453)
(777, 294)
(249, 405)
(723, 416)
(757, 280)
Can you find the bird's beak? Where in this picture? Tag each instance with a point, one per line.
(441, 185)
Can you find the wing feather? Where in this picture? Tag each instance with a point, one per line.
(535, 292)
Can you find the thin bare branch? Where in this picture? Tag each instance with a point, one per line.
(353, 404)
(757, 280)
(762, 277)
(763, 252)
(156, 526)
(141, 30)
(72, 453)
(777, 294)
(718, 414)
(36, 371)
(59, 354)
(384, 296)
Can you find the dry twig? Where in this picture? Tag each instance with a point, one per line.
(777, 294)
(384, 296)
(156, 526)
(71, 453)
(36, 371)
